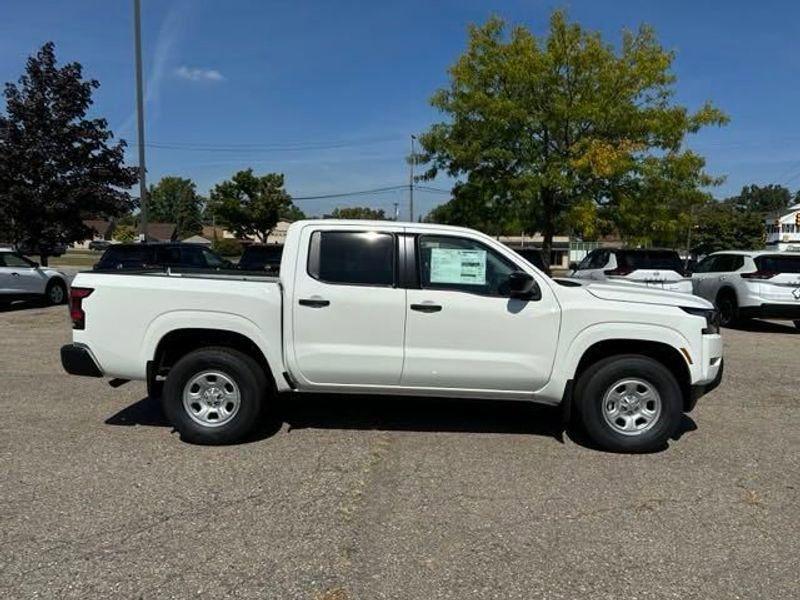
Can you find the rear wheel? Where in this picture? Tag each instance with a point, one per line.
(56, 292)
(214, 395)
(728, 308)
(629, 403)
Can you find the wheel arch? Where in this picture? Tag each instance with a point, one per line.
(661, 352)
(177, 343)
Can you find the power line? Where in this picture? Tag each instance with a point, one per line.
(278, 147)
(381, 190)
(354, 193)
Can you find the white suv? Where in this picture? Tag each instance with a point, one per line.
(751, 284)
(22, 279)
(649, 267)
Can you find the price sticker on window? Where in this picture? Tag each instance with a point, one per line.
(453, 265)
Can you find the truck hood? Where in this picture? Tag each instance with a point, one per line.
(621, 292)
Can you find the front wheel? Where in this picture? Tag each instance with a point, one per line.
(214, 395)
(629, 403)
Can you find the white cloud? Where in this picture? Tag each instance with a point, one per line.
(195, 74)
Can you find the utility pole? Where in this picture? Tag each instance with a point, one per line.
(396, 211)
(137, 27)
(411, 181)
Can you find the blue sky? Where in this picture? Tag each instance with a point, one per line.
(329, 92)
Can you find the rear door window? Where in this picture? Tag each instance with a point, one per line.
(354, 258)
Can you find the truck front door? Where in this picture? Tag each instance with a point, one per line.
(348, 313)
(464, 331)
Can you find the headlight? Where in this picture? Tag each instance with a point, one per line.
(709, 314)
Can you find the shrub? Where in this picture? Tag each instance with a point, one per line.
(227, 247)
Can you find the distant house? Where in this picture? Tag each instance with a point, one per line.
(277, 236)
(100, 229)
(783, 230)
(198, 239)
(162, 232)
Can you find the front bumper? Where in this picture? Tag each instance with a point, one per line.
(78, 360)
(702, 389)
(771, 311)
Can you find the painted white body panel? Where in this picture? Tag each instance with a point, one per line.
(368, 341)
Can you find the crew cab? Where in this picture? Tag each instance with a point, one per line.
(397, 309)
(638, 266)
(23, 279)
(758, 284)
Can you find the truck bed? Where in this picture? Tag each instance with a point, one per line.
(127, 313)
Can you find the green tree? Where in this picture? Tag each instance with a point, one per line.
(175, 200)
(762, 200)
(124, 233)
(250, 205)
(359, 212)
(723, 226)
(57, 166)
(539, 125)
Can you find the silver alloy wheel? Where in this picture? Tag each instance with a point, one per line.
(631, 406)
(211, 398)
(56, 294)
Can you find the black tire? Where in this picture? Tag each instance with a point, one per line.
(238, 367)
(53, 286)
(599, 379)
(728, 308)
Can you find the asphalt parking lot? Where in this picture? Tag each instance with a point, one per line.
(366, 498)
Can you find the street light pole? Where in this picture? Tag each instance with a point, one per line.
(137, 26)
(411, 182)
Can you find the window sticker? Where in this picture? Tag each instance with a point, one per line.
(452, 265)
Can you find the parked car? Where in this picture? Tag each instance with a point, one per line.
(99, 244)
(23, 279)
(160, 255)
(647, 267)
(751, 284)
(533, 256)
(262, 257)
(397, 308)
(40, 249)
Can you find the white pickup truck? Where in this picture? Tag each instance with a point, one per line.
(404, 309)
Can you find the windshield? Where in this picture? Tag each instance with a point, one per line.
(650, 259)
(778, 263)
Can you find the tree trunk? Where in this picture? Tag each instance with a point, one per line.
(548, 224)
(43, 259)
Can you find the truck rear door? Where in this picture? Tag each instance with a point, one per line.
(348, 314)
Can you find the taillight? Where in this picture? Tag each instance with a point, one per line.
(619, 271)
(759, 275)
(76, 296)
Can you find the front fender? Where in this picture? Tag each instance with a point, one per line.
(569, 356)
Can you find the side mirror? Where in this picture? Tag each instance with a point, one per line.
(573, 266)
(36, 265)
(522, 285)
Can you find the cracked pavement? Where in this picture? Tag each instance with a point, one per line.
(369, 498)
